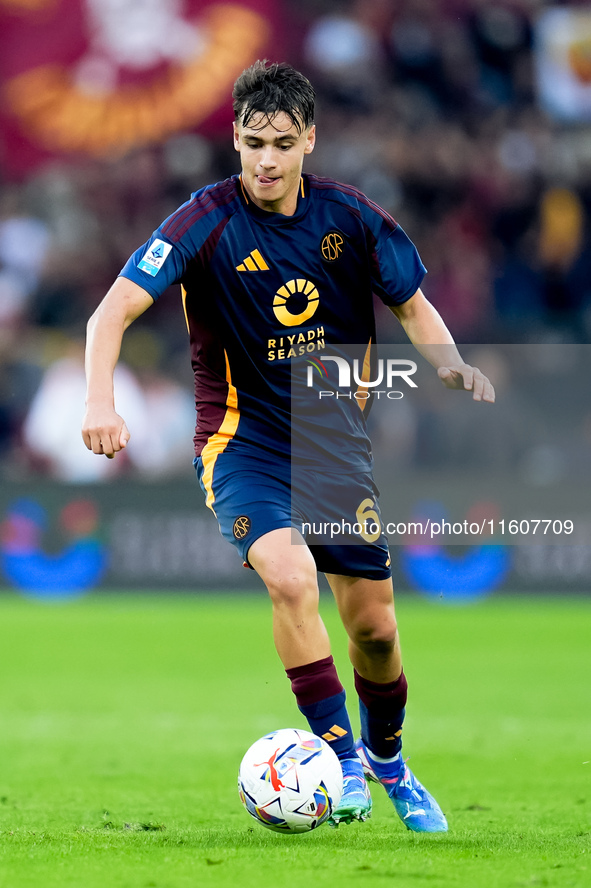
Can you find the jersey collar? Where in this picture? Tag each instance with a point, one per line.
(277, 218)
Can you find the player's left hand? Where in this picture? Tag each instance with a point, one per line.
(471, 379)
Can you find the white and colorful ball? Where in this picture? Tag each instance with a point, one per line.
(290, 781)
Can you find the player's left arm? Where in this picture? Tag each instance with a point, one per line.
(427, 331)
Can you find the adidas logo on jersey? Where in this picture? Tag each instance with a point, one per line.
(253, 262)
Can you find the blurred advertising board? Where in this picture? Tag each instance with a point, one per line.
(60, 541)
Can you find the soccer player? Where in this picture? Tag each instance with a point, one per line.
(274, 265)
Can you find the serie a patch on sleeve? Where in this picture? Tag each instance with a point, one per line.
(153, 259)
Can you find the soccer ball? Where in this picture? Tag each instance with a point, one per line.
(290, 781)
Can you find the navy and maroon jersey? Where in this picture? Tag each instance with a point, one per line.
(262, 290)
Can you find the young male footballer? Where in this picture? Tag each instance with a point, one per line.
(274, 264)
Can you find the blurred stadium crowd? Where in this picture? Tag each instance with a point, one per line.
(428, 106)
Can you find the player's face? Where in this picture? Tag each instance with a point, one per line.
(272, 153)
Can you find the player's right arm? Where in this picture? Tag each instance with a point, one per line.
(103, 430)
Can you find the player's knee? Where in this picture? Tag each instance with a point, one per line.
(292, 589)
(375, 635)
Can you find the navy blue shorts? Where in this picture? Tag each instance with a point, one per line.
(336, 513)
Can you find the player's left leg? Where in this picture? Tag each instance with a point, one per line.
(367, 611)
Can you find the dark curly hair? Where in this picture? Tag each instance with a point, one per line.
(270, 88)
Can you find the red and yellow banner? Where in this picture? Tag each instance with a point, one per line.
(101, 77)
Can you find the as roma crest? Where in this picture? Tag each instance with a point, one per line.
(241, 527)
(332, 246)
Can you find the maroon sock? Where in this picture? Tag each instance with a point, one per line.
(321, 698)
(314, 681)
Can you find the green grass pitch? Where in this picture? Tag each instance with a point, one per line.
(123, 721)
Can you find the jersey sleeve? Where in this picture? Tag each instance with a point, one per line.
(397, 268)
(163, 259)
(156, 265)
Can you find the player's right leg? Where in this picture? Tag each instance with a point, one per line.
(251, 499)
(289, 572)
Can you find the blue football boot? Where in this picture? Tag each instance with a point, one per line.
(355, 803)
(416, 807)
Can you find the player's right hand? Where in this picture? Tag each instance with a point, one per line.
(104, 432)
